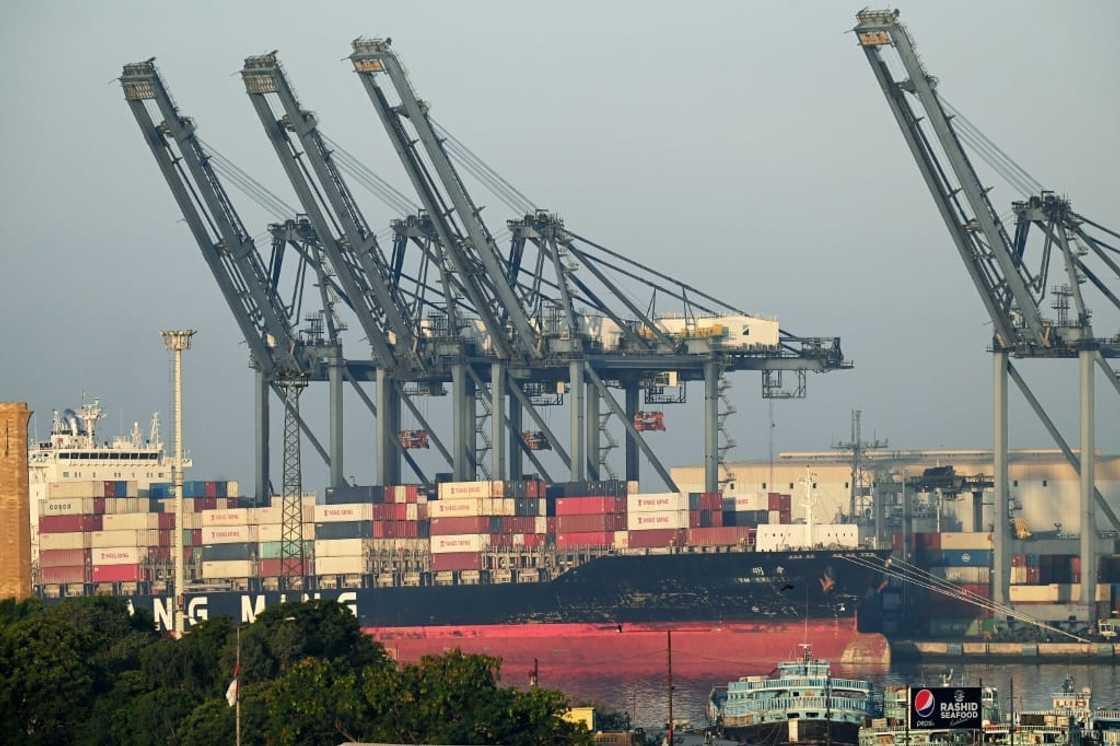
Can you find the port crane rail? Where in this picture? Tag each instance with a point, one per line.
(445, 305)
(997, 262)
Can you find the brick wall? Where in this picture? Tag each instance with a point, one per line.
(15, 529)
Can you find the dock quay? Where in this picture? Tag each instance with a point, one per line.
(1058, 652)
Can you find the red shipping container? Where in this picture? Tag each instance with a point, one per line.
(98, 505)
(210, 489)
(64, 574)
(53, 524)
(928, 540)
(729, 536)
(167, 538)
(63, 557)
(390, 512)
(980, 589)
(517, 524)
(270, 568)
(459, 525)
(568, 506)
(167, 521)
(501, 540)
(196, 537)
(550, 525)
(1018, 560)
(584, 523)
(785, 516)
(118, 573)
(1032, 576)
(585, 539)
(532, 541)
(656, 537)
(456, 561)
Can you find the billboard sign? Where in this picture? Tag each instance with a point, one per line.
(945, 708)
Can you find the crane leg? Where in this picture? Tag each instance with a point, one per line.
(1088, 508)
(576, 408)
(497, 421)
(388, 429)
(262, 487)
(632, 456)
(1001, 567)
(711, 426)
(338, 477)
(591, 423)
(516, 470)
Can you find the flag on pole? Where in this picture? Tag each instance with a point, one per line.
(232, 690)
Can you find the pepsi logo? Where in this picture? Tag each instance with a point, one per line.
(924, 703)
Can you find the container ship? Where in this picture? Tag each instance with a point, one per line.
(564, 577)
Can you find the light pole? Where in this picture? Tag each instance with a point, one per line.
(177, 341)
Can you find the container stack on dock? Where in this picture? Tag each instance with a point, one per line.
(470, 519)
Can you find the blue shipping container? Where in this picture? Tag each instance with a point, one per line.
(966, 558)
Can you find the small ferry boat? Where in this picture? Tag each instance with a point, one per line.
(799, 703)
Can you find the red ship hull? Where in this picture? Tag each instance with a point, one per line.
(728, 649)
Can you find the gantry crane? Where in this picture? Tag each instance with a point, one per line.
(556, 321)
(251, 289)
(998, 263)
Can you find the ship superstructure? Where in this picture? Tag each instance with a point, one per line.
(72, 453)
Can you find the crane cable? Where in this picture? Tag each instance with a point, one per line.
(914, 575)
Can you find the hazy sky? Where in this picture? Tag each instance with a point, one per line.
(744, 146)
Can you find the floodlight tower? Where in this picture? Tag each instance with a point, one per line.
(178, 340)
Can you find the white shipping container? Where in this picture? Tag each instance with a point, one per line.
(228, 569)
(540, 525)
(84, 488)
(1018, 575)
(271, 514)
(226, 517)
(502, 506)
(665, 501)
(398, 545)
(118, 505)
(632, 487)
(467, 490)
(340, 565)
(459, 543)
(621, 539)
(119, 555)
(342, 513)
(966, 540)
(229, 534)
(340, 548)
(964, 574)
(130, 521)
(748, 502)
(66, 505)
(1031, 594)
(127, 538)
(645, 520)
(780, 537)
(773, 516)
(412, 512)
(64, 540)
(458, 508)
(274, 531)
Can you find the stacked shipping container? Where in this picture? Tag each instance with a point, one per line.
(105, 532)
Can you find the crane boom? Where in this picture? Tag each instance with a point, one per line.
(347, 267)
(226, 245)
(976, 228)
(264, 74)
(465, 238)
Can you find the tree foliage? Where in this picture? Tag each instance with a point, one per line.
(88, 671)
